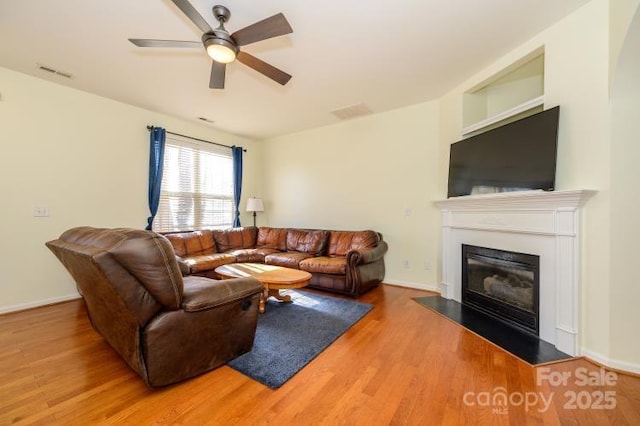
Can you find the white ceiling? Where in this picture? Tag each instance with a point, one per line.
(385, 54)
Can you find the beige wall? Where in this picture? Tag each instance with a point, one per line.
(625, 202)
(86, 159)
(376, 172)
(621, 12)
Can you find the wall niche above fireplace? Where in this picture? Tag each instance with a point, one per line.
(513, 93)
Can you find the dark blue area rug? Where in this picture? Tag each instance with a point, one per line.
(290, 335)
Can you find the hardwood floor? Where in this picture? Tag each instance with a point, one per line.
(401, 364)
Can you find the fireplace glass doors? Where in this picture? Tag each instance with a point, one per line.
(502, 284)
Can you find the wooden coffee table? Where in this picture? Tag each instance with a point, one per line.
(273, 278)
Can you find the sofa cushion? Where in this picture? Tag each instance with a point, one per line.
(255, 255)
(205, 262)
(342, 242)
(325, 265)
(192, 243)
(310, 242)
(275, 238)
(235, 238)
(288, 260)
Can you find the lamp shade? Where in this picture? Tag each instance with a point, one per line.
(255, 205)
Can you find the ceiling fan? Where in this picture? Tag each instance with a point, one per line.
(224, 48)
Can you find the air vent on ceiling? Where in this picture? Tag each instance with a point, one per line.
(54, 71)
(351, 111)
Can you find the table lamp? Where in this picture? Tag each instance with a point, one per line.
(255, 205)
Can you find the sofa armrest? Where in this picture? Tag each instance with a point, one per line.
(185, 269)
(370, 255)
(202, 293)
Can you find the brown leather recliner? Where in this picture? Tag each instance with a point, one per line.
(166, 327)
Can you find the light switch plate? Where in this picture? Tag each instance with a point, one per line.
(41, 211)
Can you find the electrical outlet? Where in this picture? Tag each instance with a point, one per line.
(407, 212)
(426, 265)
(405, 264)
(40, 211)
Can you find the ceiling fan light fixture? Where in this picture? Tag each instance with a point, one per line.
(220, 50)
(224, 48)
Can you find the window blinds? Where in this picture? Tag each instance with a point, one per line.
(197, 187)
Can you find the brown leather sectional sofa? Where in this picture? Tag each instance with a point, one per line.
(346, 262)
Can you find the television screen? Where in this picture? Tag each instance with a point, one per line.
(515, 157)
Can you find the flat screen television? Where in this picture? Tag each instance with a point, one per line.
(517, 156)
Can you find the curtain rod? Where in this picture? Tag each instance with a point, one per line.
(150, 128)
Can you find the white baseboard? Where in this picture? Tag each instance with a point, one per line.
(612, 363)
(38, 303)
(417, 286)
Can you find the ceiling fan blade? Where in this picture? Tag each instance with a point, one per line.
(264, 68)
(274, 26)
(218, 70)
(141, 42)
(193, 14)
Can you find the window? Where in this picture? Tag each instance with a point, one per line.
(197, 187)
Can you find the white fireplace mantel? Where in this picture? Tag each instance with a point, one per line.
(546, 224)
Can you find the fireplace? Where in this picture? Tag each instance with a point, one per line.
(502, 284)
(546, 224)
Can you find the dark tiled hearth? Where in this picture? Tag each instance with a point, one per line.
(524, 346)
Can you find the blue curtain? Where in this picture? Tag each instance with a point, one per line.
(158, 136)
(236, 152)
